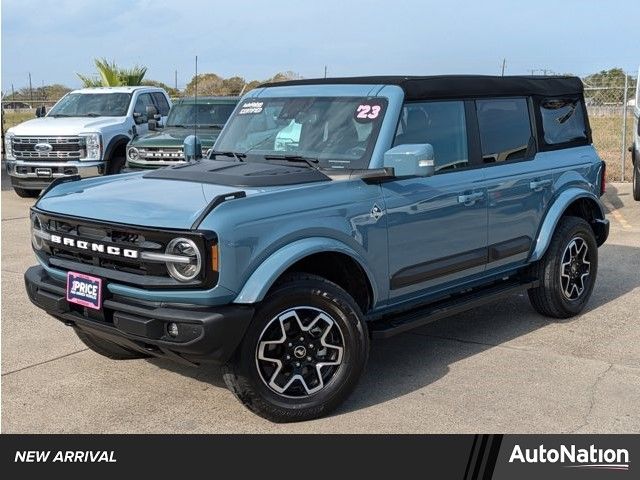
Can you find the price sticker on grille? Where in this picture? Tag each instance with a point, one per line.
(84, 290)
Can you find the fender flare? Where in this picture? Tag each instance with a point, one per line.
(113, 144)
(553, 215)
(263, 277)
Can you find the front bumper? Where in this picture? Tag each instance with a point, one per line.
(208, 334)
(37, 175)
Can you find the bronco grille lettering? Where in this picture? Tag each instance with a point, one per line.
(95, 247)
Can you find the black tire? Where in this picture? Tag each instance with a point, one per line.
(108, 349)
(115, 165)
(304, 294)
(636, 180)
(550, 298)
(24, 193)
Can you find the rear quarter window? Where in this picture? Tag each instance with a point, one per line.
(562, 120)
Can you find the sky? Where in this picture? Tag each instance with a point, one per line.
(53, 40)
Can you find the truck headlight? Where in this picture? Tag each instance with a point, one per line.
(133, 153)
(190, 267)
(8, 147)
(93, 145)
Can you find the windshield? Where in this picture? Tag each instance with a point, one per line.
(208, 114)
(339, 132)
(92, 105)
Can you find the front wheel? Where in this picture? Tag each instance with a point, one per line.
(567, 271)
(24, 193)
(636, 180)
(115, 165)
(303, 352)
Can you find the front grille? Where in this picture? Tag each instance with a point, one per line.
(59, 148)
(161, 153)
(136, 271)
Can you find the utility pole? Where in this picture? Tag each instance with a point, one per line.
(325, 71)
(504, 63)
(625, 98)
(176, 79)
(30, 90)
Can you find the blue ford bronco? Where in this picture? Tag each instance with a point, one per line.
(330, 212)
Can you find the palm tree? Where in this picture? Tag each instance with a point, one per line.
(110, 75)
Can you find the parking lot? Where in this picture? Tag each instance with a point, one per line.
(500, 368)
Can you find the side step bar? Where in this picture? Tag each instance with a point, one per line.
(390, 326)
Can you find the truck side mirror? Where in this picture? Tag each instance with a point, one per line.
(41, 111)
(152, 112)
(192, 148)
(411, 160)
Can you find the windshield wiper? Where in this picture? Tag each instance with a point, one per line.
(238, 156)
(91, 114)
(56, 115)
(312, 162)
(211, 125)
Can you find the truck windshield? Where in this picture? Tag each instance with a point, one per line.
(92, 105)
(205, 114)
(339, 132)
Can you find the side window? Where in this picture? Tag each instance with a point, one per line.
(143, 101)
(440, 123)
(562, 120)
(505, 128)
(161, 103)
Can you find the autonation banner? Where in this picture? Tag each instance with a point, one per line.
(464, 457)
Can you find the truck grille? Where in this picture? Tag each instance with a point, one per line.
(134, 271)
(159, 153)
(48, 148)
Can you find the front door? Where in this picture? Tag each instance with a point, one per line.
(437, 226)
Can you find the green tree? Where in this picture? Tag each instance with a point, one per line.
(173, 92)
(110, 75)
(607, 87)
(208, 84)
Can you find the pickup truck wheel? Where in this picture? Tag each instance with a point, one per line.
(24, 193)
(115, 165)
(108, 349)
(636, 180)
(303, 353)
(567, 272)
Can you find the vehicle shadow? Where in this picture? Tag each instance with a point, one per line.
(406, 363)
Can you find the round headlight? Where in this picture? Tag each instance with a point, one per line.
(184, 271)
(36, 232)
(133, 153)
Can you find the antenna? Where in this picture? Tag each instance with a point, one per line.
(195, 123)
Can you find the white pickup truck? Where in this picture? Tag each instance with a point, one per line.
(85, 134)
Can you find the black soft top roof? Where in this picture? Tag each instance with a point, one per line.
(447, 86)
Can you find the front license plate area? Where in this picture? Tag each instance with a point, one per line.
(84, 290)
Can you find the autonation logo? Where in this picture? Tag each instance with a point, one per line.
(573, 457)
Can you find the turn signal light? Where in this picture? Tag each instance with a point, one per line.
(215, 261)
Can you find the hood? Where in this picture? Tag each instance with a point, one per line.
(134, 200)
(174, 137)
(64, 125)
(171, 197)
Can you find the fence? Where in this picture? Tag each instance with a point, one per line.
(611, 110)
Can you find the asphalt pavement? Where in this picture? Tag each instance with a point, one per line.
(500, 368)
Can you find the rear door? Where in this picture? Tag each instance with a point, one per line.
(437, 226)
(518, 187)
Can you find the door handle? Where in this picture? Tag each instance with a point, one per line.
(538, 185)
(470, 198)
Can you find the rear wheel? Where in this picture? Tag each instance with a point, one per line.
(567, 272)
(24, 193)
(108, 349)
(303, 352)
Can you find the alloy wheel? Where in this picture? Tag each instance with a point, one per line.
(299, 352)
(575, 269)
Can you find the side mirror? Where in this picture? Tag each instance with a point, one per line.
(192, 148)
(41, 111)
(138, 118)
(411, 160)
